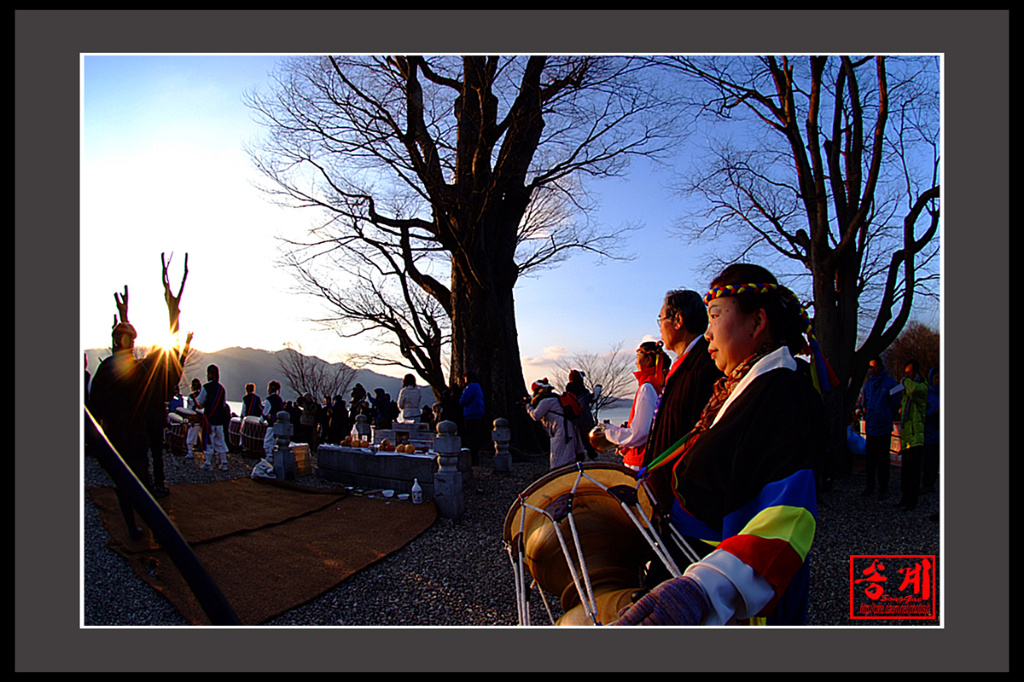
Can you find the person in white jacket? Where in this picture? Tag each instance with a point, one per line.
(409, 399)
(652, 365)
(566, 441)
(195, 426)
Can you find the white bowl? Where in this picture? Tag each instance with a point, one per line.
(403, 496)
(387, 493)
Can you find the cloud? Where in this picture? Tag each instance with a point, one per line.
(553, 353)
(536, 367)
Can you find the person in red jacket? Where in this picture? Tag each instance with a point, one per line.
(652, 365)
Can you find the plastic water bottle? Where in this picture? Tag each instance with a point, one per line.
(417, 492)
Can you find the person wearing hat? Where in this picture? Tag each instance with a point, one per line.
(115, 396)
(116, 401)
(912, 412)
(271, 406)
(545, 407)
(585, 398)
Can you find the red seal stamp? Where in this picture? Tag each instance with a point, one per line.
(892, 586)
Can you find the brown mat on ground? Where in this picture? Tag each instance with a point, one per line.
(269, 546)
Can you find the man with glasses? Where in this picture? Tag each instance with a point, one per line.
(691, 379)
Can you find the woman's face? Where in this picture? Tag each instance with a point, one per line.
(733, 336)
(644, 360)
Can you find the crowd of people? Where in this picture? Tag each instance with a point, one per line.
(729, 436)
(207, 413)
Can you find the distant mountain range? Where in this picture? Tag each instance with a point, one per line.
(240, 366)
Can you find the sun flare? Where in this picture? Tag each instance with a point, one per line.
(168, 341)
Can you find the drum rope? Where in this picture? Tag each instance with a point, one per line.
(655, 540)
(588, 607)
(584, 601)
(519, 583)
(683, 545)
(579, 553)
(520, 575)
(588, 603)
(646, 529)
(544, 599)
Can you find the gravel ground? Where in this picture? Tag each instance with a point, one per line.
(457, 573)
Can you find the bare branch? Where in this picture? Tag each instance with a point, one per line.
(122, 306)
(839, 202)
(307, 374)
(173, 301)
(431, 175)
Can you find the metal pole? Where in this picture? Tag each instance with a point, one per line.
(213, 601)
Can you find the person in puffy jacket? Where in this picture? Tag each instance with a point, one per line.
(472, 402)
(878, 406)
(409, 399)
(545, 407)
(912, 409)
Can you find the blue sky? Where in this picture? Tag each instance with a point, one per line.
(164, 170)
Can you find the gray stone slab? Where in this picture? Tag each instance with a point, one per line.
(368, 470)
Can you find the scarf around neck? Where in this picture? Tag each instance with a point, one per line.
(649, 375)
(723, 389)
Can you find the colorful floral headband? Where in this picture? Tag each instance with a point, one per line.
(819, 367)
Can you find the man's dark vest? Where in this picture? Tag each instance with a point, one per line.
(251, 405)
(215, 404)
(276, 405)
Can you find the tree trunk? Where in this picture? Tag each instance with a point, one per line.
(835, 324)
(485, 341)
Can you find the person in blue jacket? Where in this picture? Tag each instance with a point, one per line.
(472, 401)
(879, 415)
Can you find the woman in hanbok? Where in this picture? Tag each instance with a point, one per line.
(744, 478)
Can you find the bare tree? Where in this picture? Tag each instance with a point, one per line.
(432, 173)
(173, 301)
(187, 358)
(918, 342)
(175, 360)
(831, 164)
(613, 371)
(308, 374)
(374, 301)
(163, 366)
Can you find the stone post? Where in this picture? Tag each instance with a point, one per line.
(502, 436)
(448, 496)
(283, 458)
(363, 430)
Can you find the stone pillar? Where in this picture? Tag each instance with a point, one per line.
(362, 427)
(502, 436)
(283, 458)
(448, 495)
